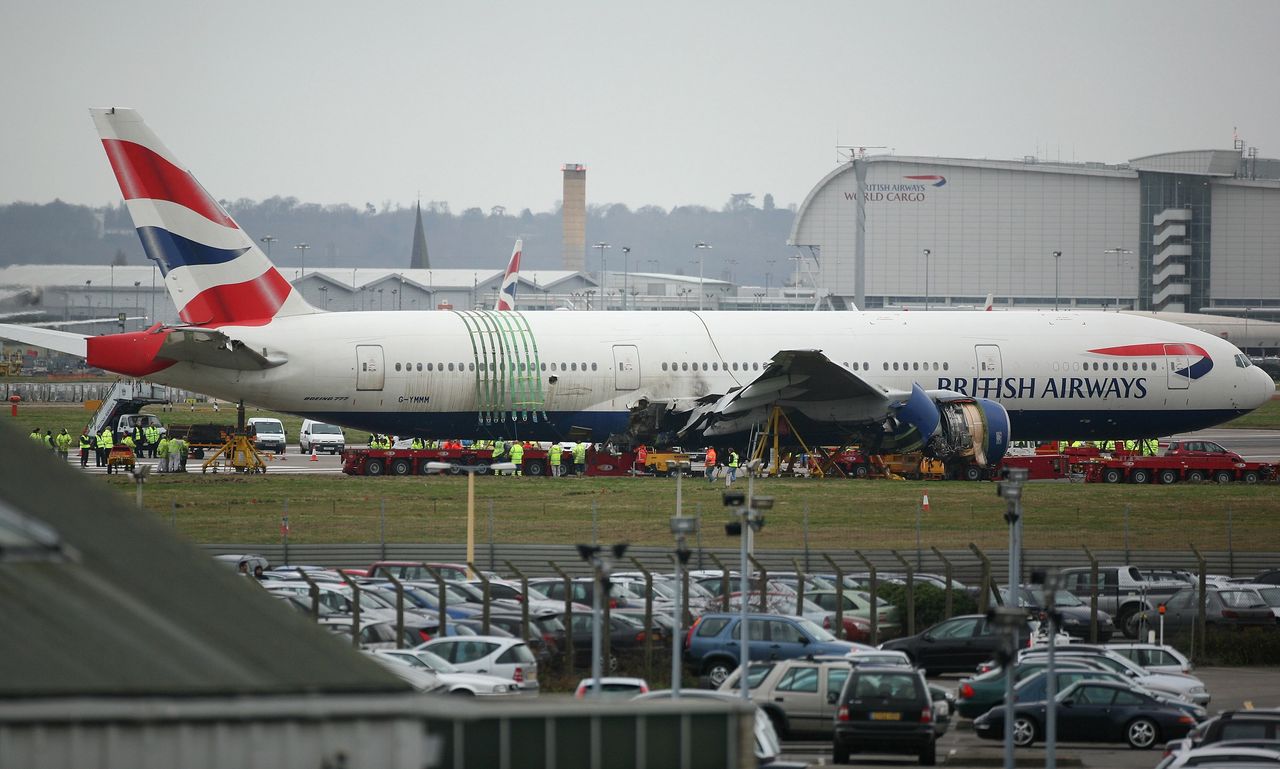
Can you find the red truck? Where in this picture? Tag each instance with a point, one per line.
(1188, 460)
(398, 461)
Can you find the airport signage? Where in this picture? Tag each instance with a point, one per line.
(913, 189)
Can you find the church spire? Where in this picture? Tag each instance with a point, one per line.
(419, 260)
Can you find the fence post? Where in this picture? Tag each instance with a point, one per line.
(1201, 566)
(840, 600)
(382, 528)
(314, 591)
(568, 615)
(355, 608)
(875, 605)
(648, 617)
(911, 592)
(399, 609)
(800, 589)
(946, 572)
(806, 536)
(724, 581)
(284, 529)
(524, 605)
(764, 581)
(984, 594)
(1127, 557)
(442, 598)
(1231, 550)
(1093, 595)
(484, 586)
(492, 553)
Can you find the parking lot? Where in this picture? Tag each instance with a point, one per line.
(1231, 687)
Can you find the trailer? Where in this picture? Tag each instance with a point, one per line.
(1191, 461)
(408, 461)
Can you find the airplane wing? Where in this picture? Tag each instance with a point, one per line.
(804, 380)
(214, 348)
(60, 341)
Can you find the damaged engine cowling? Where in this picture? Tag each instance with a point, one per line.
(951, 427)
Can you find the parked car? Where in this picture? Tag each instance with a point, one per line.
(884, 710)
(374, 633)
(1035, 687)
(1225, 607)
(418, 678)
(626, 638)
(858, 604)
(1074, 614)
(453, 679)
(320, 436)
(612, 686)
(1268, 594)
(1154, 657)
(503, 657)
(713, 643)
(415, 570)
(766, 744)
(956, 645)
(1249, 754)
(583, 591)
(1092, 711)
(1188, 687)
(268, 434)
(980, 693)
(1123, 592)
(1229, 725)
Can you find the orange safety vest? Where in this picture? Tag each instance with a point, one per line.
(711, 457)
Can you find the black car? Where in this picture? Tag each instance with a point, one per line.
(1073, 613)
(956, 645)
(884, 710)
(1093, 711)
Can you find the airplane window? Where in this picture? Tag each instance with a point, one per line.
(715, 366)
(429, 367)
(584, 365)
(1124, 366)
(471, 367)
(543, 367)
(1075, 366)
(935, 368)
(945, 367)
(451, 367)
(664, 368)
(397, 367)
(684, 366)
(593, 368)
(895, 366)
(886, 366)
(735, 366)
(420, 368)
(755, 367)
(439, 367)
(915, 366)
(573, 366)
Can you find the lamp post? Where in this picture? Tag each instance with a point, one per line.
(680, 527)
(1056, 256)
(601, 246)
(137, 300)
(926, 278)
(324, 292)
(470, 470)
(1011, 618)
(750, 509)
(700, 247)
(601, 566)
(302, 250)
(268, 239)
(626, 251)
(1120, 253)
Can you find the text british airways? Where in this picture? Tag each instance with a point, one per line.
(1056, 387)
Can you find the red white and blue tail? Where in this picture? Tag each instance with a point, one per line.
(215, 273)
(507, 296)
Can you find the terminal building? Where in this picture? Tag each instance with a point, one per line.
(1194, 231)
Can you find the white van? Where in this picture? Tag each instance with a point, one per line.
(324, 437)
(269, 432)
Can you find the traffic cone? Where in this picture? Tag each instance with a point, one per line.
(313, 454)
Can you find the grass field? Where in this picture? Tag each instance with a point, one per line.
(841, 514)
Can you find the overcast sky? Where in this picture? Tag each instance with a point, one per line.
(666, 103)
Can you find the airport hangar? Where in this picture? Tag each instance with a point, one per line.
(1193, 231)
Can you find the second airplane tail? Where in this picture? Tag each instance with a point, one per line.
(215, 273)
(507, 296)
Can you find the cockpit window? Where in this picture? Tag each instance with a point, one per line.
(1242, 361)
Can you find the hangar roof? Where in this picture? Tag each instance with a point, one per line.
(100, 598)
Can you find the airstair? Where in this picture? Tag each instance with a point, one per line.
(127, 396)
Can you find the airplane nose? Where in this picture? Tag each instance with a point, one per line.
(1263, 386)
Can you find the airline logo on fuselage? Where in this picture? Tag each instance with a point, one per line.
(1159, 350)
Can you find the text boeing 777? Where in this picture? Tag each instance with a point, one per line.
(956, 384)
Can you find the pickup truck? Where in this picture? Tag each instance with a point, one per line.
(1122, 592)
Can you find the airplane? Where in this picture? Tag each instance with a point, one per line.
(957, 385)
(510, 280)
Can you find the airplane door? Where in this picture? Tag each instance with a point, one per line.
(626, 367)
(369, 373)
(1179, 363)
(989, 364)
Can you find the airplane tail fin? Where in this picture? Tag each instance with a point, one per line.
(991, 302)
(215, 273)
(507, 296)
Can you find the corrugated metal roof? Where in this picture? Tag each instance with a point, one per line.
(132, 610)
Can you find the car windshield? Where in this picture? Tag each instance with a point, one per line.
(1241, 599)
(319, 429)
(1025, 597)
(755, 675)
(697, 590)
(434, 661)
(269, 426)
(534, 594)
(665, 590)
(371, 600)
(1271, 595)
(884, 687)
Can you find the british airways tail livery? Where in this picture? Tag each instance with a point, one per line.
(955, 384)
(507, 295)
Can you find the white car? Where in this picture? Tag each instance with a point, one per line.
(1154, 657)
(1268, 594)
(503, 657)
(457, 682)
(1187, 687)
(373, 605)
(419, 678)
(321, 436)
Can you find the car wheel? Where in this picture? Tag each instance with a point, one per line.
(1142, 734)
(1140, 476)
(402, 467)
(1223, 476)
(972, 473)
(535, 468)
(1250, 476)
(716, 672)
(839, 753)
(1168, 476)
(1128, 621)
(374, 467)
(1024, 731)
(463, 692)
(929, 754)
(1195, 476)
(860, 471)
(779, 722)
(1111, 476)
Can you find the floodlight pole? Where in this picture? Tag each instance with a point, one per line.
(1011, 490)
(744, 582)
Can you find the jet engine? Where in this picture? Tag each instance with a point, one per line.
(951, 427)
